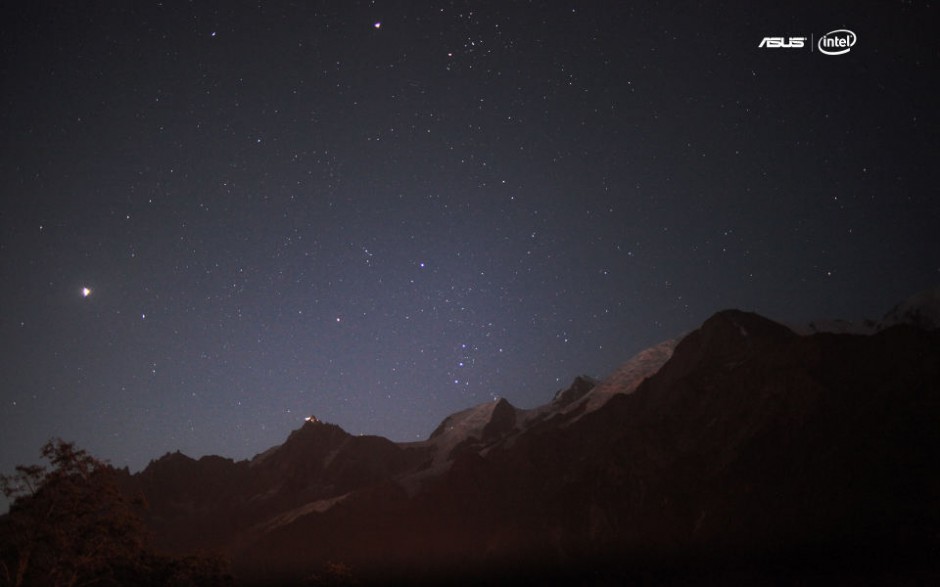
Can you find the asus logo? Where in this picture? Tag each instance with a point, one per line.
(782, 42)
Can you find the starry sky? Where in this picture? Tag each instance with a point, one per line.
(218, 218)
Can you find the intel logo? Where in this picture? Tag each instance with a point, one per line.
(837, 42)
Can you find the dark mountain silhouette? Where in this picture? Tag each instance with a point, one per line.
(743, 452)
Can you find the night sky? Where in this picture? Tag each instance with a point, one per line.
(384, 212)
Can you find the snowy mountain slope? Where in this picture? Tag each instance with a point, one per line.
(626, 378)
(480, 424)
(921, 309)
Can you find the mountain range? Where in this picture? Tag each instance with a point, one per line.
(744, 452)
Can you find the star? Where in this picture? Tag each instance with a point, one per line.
(86, 291)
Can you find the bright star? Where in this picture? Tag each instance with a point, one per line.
(86, 292)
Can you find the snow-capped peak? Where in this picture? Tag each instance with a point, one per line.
(921, 309)
(627, 377)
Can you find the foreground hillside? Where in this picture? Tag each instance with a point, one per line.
(742, 452)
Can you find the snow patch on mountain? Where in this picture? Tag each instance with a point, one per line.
(469, 424)
(285, 518)
(627, 377)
